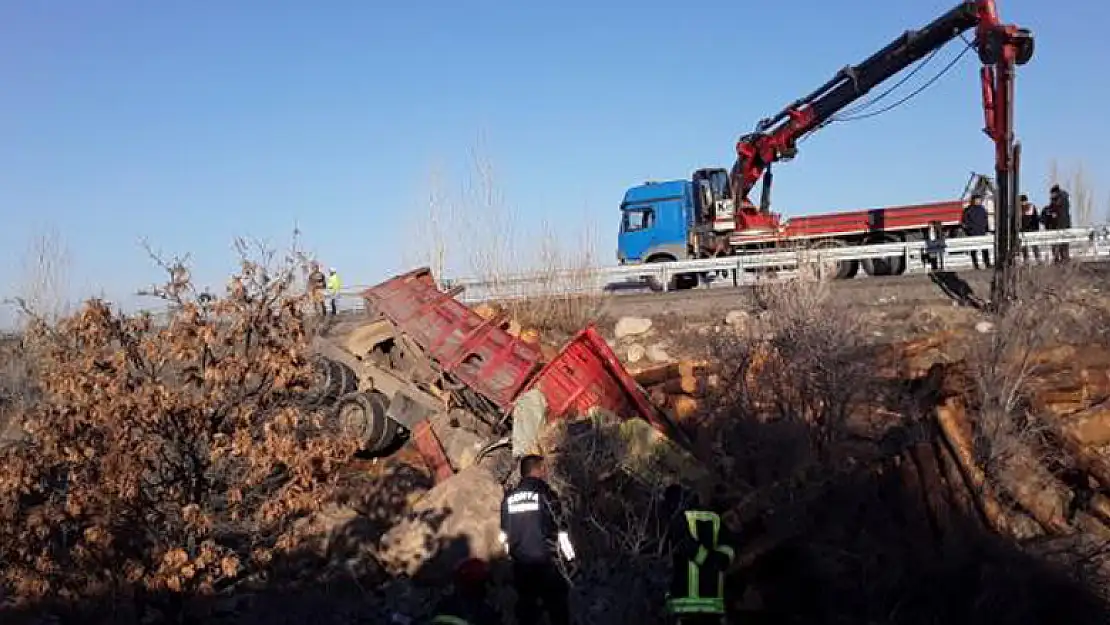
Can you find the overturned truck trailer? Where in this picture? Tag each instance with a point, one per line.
(426, 369)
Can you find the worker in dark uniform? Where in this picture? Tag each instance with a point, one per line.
(316, 285)
(531, 532)
(1057, 216)
(467, 605)
(701, 551)
(975, 224)
(1030, 222)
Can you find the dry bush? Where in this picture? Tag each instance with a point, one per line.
(1050, 305)
(570, 289)
(478, 232)
(17, 386)
(166, 458)
(799, 375)
(611, 505)
(45, 286)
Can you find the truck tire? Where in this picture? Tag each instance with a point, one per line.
(332, 380)
(889, 266)
(363, 415)
(842, 270)
(680, 282)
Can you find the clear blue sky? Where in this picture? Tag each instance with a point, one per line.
(192, 122)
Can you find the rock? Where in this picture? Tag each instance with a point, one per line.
(458, 519)
(657, 353)
(631, 326)
(635, 353)
(736, 318)
(984, 327)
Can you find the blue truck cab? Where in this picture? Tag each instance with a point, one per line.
(656, 218)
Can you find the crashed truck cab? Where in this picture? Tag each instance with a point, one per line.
(424, 354)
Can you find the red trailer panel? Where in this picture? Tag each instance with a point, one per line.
(475, 350)
(875, 220)
(861, 222)
(587, 374)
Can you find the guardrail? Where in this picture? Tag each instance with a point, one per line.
(1084, 244)
(745, 268)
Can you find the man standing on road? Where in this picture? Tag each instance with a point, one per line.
(1030, 222)
(975, 224)
(334, 286)
(1057, 216)
(531, 532)
(316, 285)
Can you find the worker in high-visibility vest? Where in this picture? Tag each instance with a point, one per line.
(701, 549)
(466, 605)
(334, 286)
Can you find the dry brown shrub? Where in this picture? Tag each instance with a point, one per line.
(169, 457)
(610, 489)
(1050, 305)
(800, 371)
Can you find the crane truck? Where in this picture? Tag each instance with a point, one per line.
(711, 214)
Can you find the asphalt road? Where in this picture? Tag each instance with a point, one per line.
(913, 287)
(918, 288)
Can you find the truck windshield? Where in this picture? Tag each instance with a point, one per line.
(638, 219)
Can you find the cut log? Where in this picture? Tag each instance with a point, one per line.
(683, 385)
(917, 514)
(1100, 508)
(1093, 526)
(1090, 427)
(958, 491)
(697, 386)
(957, 435)
(932, 481)
(1091, 461)
(652, 376)
(658, 374)
(683, 406)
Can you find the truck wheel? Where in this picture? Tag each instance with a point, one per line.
(838, 270)
(363, 415)
(331, 380)
(684, 281)
(889, 266)
(339, 380)
(681, 282)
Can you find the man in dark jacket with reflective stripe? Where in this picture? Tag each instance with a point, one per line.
(701, 551)
(530, 530)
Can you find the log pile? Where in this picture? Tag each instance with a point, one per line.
(1044, 483)
(1055, 483)
(679, 388)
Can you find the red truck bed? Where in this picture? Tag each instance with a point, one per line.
(584, 375)
(475, 350)
(868, 221)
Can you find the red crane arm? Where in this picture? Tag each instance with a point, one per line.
(1000, 47)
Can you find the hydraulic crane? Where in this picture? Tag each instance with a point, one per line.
(1001, 47)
